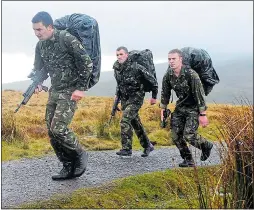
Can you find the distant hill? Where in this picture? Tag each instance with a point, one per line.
(236, 81)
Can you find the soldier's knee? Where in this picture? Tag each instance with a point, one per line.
(51, 135)
(190, 137)
(174, 137)
(125, 122)
(58, 131)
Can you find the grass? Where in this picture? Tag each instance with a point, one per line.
(229, 185)
(165, 189)
(28, 126)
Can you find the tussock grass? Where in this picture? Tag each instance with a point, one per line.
(231, 186)
(89, 123)
(10, 130)
(150, 190)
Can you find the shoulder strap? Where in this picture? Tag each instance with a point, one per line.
(187, 71)
(134, 65)
(171, 88)
(40, 44)
(189, 81)
(61, 39)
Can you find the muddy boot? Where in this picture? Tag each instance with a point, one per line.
(65, 173)
(80, 164)
(147, 150)
(206, 150)
(187, 156)
(124, 152)
(187, 163)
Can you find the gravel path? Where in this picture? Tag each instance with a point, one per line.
(29, 180)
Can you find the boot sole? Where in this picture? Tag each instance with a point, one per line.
(186, 166)
(125, 155)
(61, 179)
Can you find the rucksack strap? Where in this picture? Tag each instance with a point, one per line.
(135, 65)
(61, 39)
(188, 78)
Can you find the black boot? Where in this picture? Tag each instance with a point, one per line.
(187, 156)
(147, 150)
(206, 150)
(124, 152)
(65, 173)
(187, 163)
(80, 164)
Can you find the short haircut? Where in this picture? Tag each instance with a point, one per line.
(43, 17)
(122, 48)
(179, 52)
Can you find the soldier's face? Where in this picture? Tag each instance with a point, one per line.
(42, 32)
(121, 56)
(174, 60)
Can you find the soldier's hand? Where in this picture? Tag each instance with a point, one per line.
(152, 101)
(77, 95)
(162, 115)
(203, 121)
(38, 89)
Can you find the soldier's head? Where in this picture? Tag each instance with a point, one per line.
(122, 54)
(43, 25)
(175, 59)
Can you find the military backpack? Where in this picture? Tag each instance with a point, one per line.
(86, 30)
(200, 61)
(144, 58)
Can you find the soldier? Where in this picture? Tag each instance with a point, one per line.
(131, 90)
(69, 70)
(190, 108)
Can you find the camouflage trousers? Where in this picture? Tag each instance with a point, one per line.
(59, 113)
(184, 126)
(131, 120)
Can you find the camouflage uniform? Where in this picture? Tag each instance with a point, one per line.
(131, 90)
(69, 68)
(184, 119)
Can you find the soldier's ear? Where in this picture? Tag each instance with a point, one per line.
(50, 27)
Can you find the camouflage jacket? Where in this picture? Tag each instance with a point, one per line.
(129, 79)
(69, 66)
(188, 89)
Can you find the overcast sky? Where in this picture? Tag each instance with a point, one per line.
(218, 27)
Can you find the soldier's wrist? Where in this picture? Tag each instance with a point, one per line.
(81, 88)
(154, 95)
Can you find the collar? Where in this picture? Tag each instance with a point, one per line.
(120, 66)
(53, 38)
(182, 71)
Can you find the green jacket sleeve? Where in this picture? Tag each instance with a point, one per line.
(198, 91)
(165, 91)
(38, 63)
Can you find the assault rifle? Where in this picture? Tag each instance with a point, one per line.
(37, 78)
(115, 108)
(166, 114)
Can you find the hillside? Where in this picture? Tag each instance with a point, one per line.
(236, 81)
